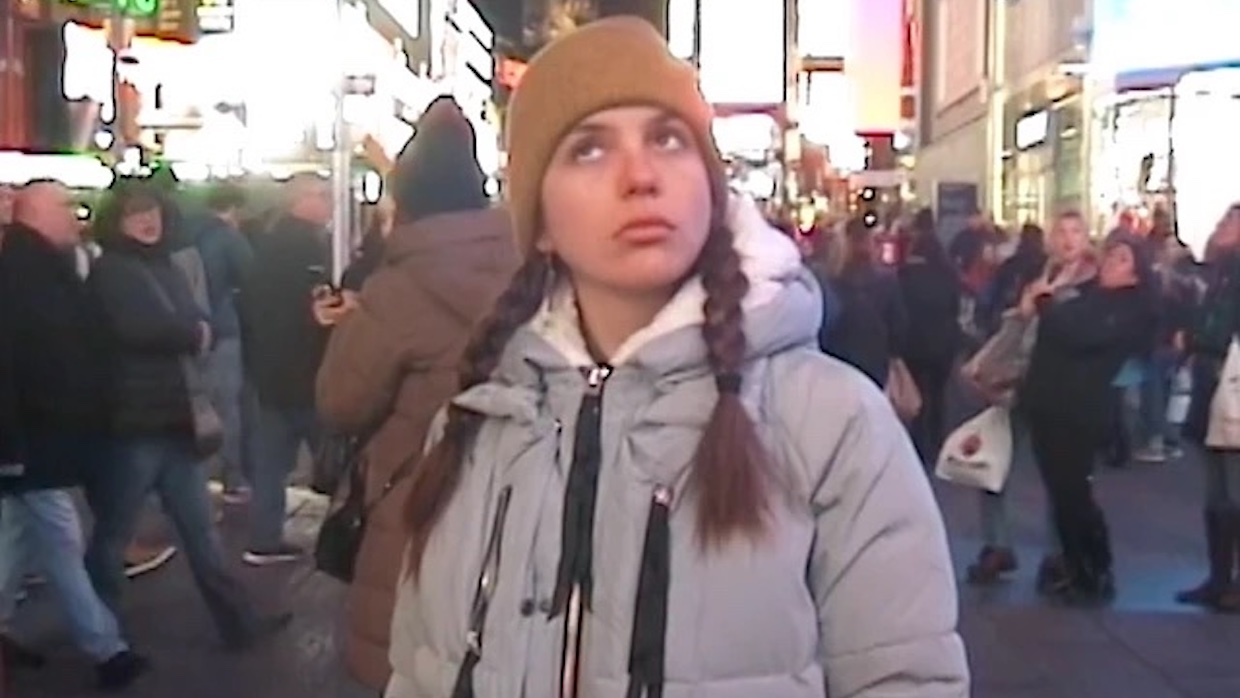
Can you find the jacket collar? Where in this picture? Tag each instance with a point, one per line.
(783, 310)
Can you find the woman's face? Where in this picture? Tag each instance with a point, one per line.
(1069, 240)
(626, 201)
(147, 227)
(1119, 268)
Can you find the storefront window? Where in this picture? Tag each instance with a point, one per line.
(1068, 142)
(1042, 166)
(1132, 156)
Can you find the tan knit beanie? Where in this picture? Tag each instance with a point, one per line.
(619, 61)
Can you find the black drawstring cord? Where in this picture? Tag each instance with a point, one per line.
(648, 651)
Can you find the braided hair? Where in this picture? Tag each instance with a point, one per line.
(730, 466)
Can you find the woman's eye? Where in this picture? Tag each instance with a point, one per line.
(587, 150)
(670, 139)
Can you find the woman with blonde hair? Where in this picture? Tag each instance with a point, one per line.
(653, 482)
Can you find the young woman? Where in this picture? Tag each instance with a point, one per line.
(654, 482)
(1067, 260)
(1083, 338)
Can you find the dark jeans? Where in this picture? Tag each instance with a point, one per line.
(169, 466)
(1065, 453)
(281, 434)
(1116, 448)
(929, 427)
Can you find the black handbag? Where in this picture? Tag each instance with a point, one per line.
(340, 536)
(334, 458)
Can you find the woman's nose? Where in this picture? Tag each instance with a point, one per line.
(639, 174)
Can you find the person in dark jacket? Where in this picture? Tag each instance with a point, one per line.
(1081, 344)
(284, 345)
(872, 325)
(1214, 325)
(931, 293)
(53, 425)
(1176, 296)
(158, 335)
(1015, 273)
(370, 253)
(226, 258)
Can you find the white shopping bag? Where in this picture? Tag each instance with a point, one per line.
(979, 453)
(1224, 431)
(1181, 396)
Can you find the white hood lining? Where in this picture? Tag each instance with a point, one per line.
(768, 258)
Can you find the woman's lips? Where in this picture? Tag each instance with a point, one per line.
(645, 231)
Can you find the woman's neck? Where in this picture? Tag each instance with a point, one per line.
(609, 318)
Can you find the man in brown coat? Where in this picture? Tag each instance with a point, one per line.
(392, 358)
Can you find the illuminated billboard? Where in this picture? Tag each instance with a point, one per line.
(1152, 36)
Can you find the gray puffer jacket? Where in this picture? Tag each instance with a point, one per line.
(851, 593)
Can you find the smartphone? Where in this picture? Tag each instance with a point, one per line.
(322, 278)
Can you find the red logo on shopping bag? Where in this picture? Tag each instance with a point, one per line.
(971, 445)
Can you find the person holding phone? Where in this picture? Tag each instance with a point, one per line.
(286, 305)
(330, 303)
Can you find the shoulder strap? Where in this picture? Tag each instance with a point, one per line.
(402, 471)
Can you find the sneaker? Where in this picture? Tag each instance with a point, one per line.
(1151, 455)
(278, 555)
(992, 563)
(263, 629)
(140, 559)
(1205, 594)
(16, 654)
(119, 672)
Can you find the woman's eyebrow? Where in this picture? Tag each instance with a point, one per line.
(667, 119)
(589, 128)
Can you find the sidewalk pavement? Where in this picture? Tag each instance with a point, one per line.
(1143, 647)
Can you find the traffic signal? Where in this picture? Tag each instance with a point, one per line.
(867, 203)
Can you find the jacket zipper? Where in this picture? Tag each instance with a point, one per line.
(574, 580)
(487, 578)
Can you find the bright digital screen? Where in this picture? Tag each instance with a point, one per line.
(754, 74)
(1135, 35)
(874, 66)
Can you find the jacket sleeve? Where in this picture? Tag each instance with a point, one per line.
(897, 317)
(1092, 323)
(880, 570)
(240, 258)
(136, 317)
(11, 448)
(371, 351)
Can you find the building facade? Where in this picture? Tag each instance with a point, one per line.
(1042, 158)
(952, 162)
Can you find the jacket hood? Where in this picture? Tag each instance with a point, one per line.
(783, 309)
(454, 255)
